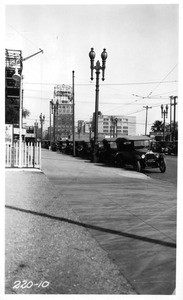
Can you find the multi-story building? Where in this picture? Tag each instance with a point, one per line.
(13, 61)
(118, 125)
(64, 111)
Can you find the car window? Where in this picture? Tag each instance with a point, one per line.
(126, 146)
(141, 144)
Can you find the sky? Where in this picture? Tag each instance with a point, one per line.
(142, 42)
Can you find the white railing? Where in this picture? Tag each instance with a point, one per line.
(30, 155)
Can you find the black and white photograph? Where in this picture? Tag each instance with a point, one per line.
(92, 137)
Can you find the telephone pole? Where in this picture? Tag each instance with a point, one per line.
(146, 107)
(73, 114)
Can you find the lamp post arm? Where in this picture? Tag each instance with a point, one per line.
(23, 59)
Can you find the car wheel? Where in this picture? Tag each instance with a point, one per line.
(162, 166)
(137, 166)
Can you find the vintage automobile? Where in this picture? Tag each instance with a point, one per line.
(69, 147)
(136, 151)
(85, 150)
(61, 145)
(79, 147)
(107, 152)
(53, 146)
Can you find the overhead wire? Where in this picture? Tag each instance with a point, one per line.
(23, 35)
(103, 84)
(162, 80)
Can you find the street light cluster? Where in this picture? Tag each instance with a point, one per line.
(97, 67)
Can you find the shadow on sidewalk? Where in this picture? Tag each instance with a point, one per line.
(94, 227)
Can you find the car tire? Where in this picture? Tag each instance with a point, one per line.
(137, 166)
(162, 166)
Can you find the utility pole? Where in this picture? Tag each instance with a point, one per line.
(73, 114)
(17, 77)
(146, 107)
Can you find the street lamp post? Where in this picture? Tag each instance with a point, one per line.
(116, 123)
(42, 119)
(97, 67)
(55, 108)
(17, 77)
(35, 130)
(51, 111)
(164, 114)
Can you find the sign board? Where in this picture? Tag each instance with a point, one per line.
(63, 91)
(9, 133)
(17, 131)
(30, 135)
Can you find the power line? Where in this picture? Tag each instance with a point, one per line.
(22, 35)
(162, 81)
(103, 84)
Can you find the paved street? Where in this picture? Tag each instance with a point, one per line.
(128, 217)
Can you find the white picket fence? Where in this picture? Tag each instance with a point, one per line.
(30, 155)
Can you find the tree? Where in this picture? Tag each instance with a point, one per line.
(25, 113)
(157, 126)
(12, 113)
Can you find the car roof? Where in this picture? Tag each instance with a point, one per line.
(133, 138)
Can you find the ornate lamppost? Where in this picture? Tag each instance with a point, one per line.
(42, 119)
(97, 67)
(164, 114)
(116, 125)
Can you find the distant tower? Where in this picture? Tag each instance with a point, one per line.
(64, 113)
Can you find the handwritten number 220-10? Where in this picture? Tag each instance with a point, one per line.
(28, 284)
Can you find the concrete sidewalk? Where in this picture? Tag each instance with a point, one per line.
(86, 226)
(45, 244)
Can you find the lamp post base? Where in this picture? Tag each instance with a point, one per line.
(95, 157)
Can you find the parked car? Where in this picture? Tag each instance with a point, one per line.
(173, 148)
(61, 145)
(68, 148)
(45, 144)
(83, 149)
(87, 150)
(108, 151)
(53, 146)
(136, 151)
(79, 147)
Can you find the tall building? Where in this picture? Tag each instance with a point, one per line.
(64, 111)
(13, 60)
(116, 125)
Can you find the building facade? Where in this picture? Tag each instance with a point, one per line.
(116, 125)
(13, 61)
(63, 112)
